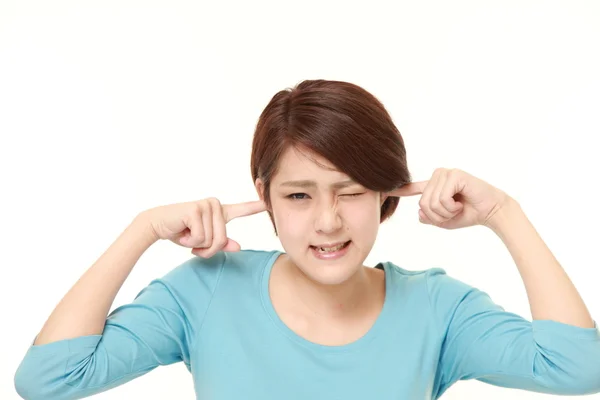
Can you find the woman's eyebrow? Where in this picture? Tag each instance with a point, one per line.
(312, 184)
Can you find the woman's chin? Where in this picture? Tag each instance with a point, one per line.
(330, 274)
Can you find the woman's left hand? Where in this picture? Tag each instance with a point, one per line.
(454, 199)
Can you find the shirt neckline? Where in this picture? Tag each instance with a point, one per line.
(372, 333)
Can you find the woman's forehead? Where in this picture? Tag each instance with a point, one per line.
(305, 161)
(303, 168)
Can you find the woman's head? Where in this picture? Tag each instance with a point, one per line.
(323, 156)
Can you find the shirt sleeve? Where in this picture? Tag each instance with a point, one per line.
(157, 328)
(483, 341)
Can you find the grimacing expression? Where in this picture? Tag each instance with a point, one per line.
(313, 206)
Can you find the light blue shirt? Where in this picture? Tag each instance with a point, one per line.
(216, 316)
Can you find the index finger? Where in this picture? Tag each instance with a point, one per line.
(231, 211)
(410, 189)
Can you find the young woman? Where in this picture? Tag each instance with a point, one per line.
(313, 322)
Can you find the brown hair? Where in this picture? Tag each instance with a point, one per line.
(339, 121)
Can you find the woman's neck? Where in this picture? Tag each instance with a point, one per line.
(346, 300)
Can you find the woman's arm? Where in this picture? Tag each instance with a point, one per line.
(84, 308)
(552, 295)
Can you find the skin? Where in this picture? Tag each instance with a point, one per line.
(453, 199)
(325, 302)
(315, 297)
(334, 294)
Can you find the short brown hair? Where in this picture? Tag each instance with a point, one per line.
(339, 121)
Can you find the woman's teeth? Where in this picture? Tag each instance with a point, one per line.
(331, 249)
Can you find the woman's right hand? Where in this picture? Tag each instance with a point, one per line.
(200, 225)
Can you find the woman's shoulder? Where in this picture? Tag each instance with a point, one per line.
(208, 271)
(194, 282)
(444, 291)
(432, 279)
(415, 274)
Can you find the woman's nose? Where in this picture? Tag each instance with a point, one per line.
(327, 217)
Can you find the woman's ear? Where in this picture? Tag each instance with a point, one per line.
(260, 188)
(383, 198)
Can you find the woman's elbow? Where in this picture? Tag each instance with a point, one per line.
(29, 386)
(41, 378)
(573, 376)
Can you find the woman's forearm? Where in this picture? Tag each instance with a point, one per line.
(83, 310)
(552, 295)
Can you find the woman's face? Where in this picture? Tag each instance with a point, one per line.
(316, 211)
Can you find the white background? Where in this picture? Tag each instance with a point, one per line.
(111, 107)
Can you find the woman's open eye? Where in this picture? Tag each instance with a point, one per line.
(297, 196)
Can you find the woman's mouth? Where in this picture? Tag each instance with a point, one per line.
(332, 252)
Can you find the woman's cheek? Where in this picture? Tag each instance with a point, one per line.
(290, 222)
(359, 210)
(362, 216)
(296, 223)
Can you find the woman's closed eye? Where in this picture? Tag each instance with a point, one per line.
(351, 194)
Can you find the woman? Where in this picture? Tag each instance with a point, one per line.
(313, 322)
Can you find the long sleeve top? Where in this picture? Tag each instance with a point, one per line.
(215, 315)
